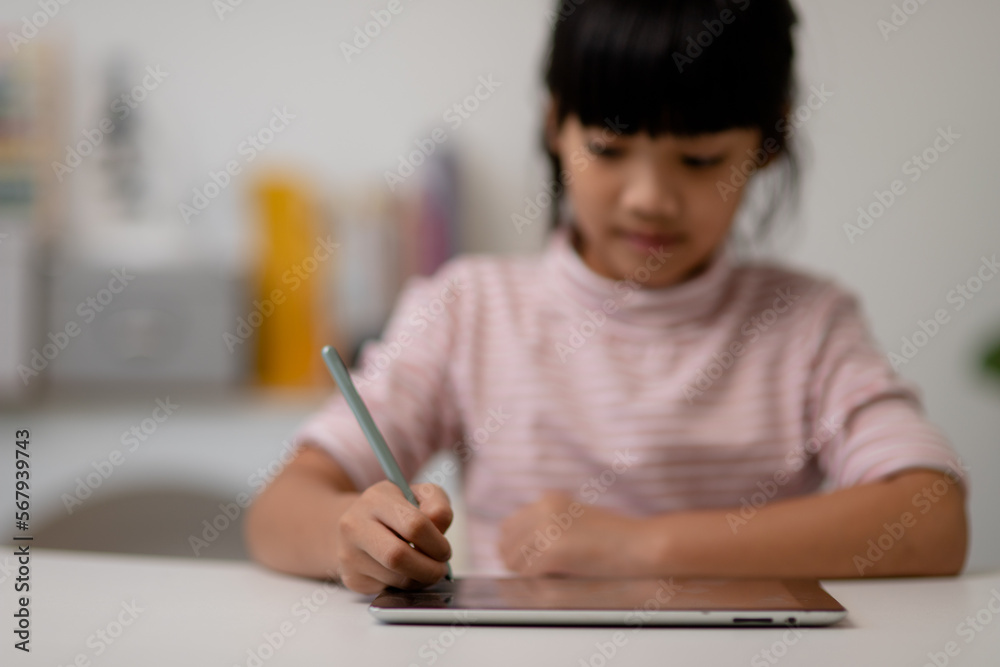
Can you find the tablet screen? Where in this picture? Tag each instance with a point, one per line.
(673, 593)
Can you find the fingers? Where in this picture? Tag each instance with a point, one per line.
(434, 502)
(532, 538)
(379, 554)
(389, 562)
(375, 535)
(425, 560)
(371, 579)
(413, 525)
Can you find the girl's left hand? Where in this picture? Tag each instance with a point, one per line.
(558, 535)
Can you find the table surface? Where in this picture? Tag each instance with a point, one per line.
(109, 609)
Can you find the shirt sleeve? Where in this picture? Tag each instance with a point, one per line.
(404, 380)
(866, 423)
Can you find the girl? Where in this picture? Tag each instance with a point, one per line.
(633, 401)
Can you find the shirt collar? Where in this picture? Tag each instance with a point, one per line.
(629, 302)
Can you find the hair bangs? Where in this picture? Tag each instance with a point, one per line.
(666, 67)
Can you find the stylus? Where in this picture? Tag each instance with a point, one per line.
(375, 439)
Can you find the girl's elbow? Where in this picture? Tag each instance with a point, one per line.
(956, 545)
(946, 547)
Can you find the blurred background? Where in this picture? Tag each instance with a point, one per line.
(195, 196)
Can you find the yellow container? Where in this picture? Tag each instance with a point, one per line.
(296, 262)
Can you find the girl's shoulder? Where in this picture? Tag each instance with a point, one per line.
(479, 272)
(813, 294)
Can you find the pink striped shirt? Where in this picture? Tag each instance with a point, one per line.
(744, 384)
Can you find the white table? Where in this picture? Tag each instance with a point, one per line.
(210, 612)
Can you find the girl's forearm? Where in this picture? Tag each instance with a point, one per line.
(291, 526)
(912, 524)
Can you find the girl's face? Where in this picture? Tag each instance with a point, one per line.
(632, 194)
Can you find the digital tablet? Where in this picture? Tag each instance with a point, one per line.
(612, 602)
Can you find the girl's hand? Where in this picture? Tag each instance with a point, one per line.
(557, 535)
(375, 532)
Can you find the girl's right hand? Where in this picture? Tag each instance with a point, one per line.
(375, 532)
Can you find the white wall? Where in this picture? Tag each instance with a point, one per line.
(355, 119)
(937, 71)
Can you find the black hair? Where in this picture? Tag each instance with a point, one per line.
(683, 67)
